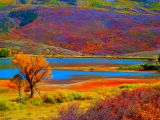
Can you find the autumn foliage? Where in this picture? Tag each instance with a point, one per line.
(139, 104)
(33, 69)
(18, 80)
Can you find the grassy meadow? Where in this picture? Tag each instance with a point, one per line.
(48, 103)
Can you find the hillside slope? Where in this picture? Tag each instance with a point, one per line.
(31, 47)
(92, 31)
(85, 30)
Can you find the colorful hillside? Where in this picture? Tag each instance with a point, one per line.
(92, 27)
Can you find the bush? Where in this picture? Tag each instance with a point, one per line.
(81, 96)
(48, 98)
(75, 96)
(131, 67)
(60, 96)
(140, 67)
(105, 92)
(70, 112)
(37, 102)
(148, 111)
(130, 86)
(23, 99)
(127, 105)
(150, 67)
(4, 52)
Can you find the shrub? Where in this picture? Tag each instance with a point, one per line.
(131, 67)
(60, 96)
(140, 67)
(105, 92)
(70, 112)
(37, 102)
(150, 67)
(130, 86)
(22, 99)
(4, 52)
(48, 98)
(75, 96)
(149, 111)
(124, 106)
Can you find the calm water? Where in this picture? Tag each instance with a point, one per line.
(7, 70)
(93, 60)
(6, 63)
(67, 74)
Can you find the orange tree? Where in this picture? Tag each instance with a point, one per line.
(33, 69)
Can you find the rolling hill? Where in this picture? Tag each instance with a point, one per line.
(84, 30)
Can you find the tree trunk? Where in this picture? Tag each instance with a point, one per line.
(19, 92)
(32, 91)
(20, 95)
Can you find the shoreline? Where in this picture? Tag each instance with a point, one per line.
(90, 56)
(100, 69)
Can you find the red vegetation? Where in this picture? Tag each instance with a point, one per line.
(139, 104)
(7, 83)
(109, 82)
(92, 31)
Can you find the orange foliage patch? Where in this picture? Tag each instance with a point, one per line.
(109, 83)
(88, 85)
(7, 83)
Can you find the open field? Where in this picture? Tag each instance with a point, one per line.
(93, 89)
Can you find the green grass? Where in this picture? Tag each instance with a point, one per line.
(2, 4)
(140, 67)
(131, 67)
